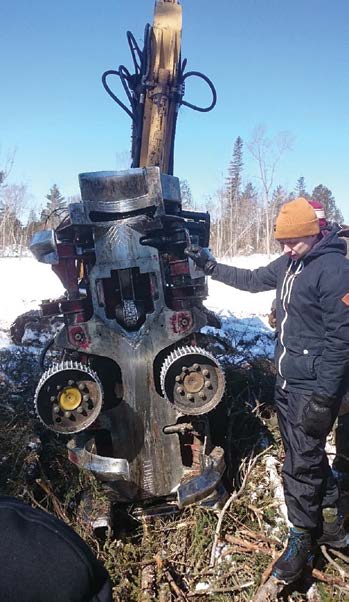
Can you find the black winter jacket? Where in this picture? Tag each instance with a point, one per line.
(312, 310)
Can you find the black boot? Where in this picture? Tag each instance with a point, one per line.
(291, 563)
(333, 532)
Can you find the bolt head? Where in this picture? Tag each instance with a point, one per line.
(52, 398)
(202, 395)
(190, 397)
(86, 397)
(67, 414)
(180, 390)
(196, 367)
(55, 409)
(205, 372)
(179, 379)
(208, 384)
(81, 386)
(70, 382)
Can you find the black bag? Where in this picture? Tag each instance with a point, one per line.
(44, 560)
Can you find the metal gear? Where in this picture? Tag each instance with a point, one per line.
(68, 397)
(192, 379)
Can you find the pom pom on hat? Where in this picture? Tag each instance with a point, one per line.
(320, 213)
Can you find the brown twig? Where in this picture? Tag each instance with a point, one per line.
(247, 545)
(341, 571)
(330, 580)
(173, 585)
(246, 467)
(46, 487)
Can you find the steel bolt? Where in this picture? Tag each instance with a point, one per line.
(206, 372)
(202, 395)
(67, 414)
(180, 390)
(81, 386)
(58, 387)
(208, 384)
(52, 398)
(196, 367)
(86, 397)
(70, 382)
(79, 410)
(55, 409)
(179, 379)
(184, 369)
(190, 397)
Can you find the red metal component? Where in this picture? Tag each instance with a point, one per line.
(181, 322)
(78, 337)
(178, 268)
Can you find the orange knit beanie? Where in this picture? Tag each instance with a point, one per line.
(295, 220)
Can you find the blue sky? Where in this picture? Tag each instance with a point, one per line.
(274, 62)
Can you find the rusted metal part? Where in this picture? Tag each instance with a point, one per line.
(125, 323)
(108, 469)
(202, 485)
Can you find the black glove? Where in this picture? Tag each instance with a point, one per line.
(202, 257)
(317, 416)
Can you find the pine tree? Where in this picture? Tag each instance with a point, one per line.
(249, 219)
(186, 195)
(233, 186)
(33, 225)
(323, 195)
(55, 208)
(301, 188)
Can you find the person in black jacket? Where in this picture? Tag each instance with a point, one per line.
(43, 560)
(311, 279)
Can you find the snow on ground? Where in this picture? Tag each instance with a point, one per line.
(25, 282)
(243, 314)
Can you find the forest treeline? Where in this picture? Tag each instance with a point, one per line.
(243, 210)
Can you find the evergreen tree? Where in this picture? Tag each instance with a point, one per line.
(33, 225)
(301, 188)
(186, 195)
(249, 219)
(233, 186)
(323, 195)
(55, 208)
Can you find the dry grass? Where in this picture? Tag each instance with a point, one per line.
(168, 559)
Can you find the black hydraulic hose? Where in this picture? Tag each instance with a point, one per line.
(113, 96)
(135, 51)
(211, 86)
(43, 353)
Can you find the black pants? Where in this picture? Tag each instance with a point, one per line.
(309, 484)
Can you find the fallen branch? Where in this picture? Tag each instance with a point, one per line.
(46, 487)
(329, 579)
(340, 555)
(173, 585)
(247, 545)
(340, 570)
(247, 468)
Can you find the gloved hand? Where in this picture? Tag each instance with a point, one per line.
(202, 257)
(317, 416)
